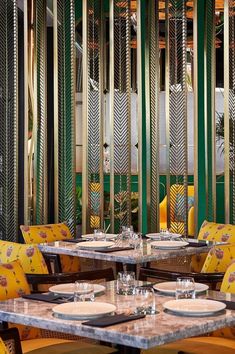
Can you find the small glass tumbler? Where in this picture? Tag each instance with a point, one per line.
(126, 234)
(185, 288)
(99, 235)
(136, 241)
(145, 300)
(83, 292)
(126, 283)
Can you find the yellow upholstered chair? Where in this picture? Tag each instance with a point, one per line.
(3, 348)
(51, 233)
(176, 224)
(220, 341)
(13, 284)
(211, 231)
(30, 256)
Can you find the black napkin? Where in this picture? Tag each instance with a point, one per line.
(52, 298)
(74, 240)
(112, 320)
(196, 244)
(114, 249)
(230, 305)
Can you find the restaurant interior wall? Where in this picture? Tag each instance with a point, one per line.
(150, 30)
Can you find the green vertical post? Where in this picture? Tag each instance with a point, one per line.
(142, 124)
(200, 168)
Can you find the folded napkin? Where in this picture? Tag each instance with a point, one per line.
(196, 244)
(50, 297)
(74, 240)
(112, 320)
(230, 305)
(114, 249)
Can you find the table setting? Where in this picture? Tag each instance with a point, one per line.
(122, 313)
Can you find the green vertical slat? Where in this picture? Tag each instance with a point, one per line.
(202, 200)
(144, 132)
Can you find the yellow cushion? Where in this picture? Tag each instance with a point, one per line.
(3, 349)
(219, 258)
(212, 231)
(51, 233)
(199, 345)
(30, 257)
(62, 346)
(45, 233)
(13, 282)
(228, 283)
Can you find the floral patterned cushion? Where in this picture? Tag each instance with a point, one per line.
(3, 349)
(45, 233)
(51, 233)
(219, 258)
(13, 281)
(212, 231)
(30, 257)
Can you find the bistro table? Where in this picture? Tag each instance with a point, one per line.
(132, 336)
(128, 257)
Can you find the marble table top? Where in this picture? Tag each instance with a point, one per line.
(153, 330)
(126, 257)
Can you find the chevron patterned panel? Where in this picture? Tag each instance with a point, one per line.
(41, 113)
(154, 112)
(232, 108)
(9, 120)
(178, 154)
(121, 116)
(94, 116)
(66, 113)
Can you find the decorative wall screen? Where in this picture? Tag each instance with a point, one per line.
(9, 120)
(229, 112)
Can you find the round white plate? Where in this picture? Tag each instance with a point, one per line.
(83, 310)
(95, 244)
(68, 289)
(157, 235)
(169, 244)
(108, 236)
(194, 307)
(169, 287)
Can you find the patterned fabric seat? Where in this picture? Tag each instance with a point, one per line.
(221, 341)
(13, 284)
(211, 231)
(49, 233)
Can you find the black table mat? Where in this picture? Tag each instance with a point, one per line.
(196, 244)
(230, 305)
(74, 240)
(112, 320)
(52, 298)
(114, 249)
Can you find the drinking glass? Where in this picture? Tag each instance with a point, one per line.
(145, 300)
(99, 235)
(136, 241)
(83, 291)
(185, 288)
(125, 283)
(127, 231)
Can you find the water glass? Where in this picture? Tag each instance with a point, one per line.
(83, 291)
(136, 241)
(125, 283)
(99, 235)
(185, 288)
(165, 234)
(145, 300)
(125, 235)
